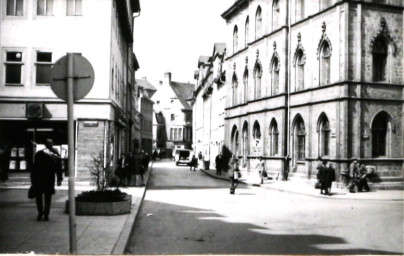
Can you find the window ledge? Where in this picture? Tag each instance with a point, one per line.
(301, 162)
(6, 84)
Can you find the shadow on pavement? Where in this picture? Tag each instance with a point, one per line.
(172, 229)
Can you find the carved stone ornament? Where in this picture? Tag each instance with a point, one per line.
(274, 45)
(299, 37)
(298, 48)
(234, 65)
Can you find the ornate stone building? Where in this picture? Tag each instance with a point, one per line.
(332, 87)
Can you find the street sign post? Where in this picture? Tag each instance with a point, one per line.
(72, 78)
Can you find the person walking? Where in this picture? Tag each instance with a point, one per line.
(325, 177)
(123, 169)
(218, 163)
(47, 164)
(234, 174)
(194, 163)
(261, 169)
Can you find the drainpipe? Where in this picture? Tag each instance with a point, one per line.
(287, 112)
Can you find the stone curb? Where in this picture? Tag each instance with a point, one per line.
(122, 243)
(301, 193)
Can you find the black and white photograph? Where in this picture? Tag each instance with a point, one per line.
(202, 127)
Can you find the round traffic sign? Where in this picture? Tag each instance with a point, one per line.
(83, 77)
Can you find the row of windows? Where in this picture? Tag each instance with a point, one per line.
(14, 62)
(381, 129)
(43, 7)
(382, 56)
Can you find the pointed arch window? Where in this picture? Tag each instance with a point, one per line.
(275, 66)
(245, 90)
(299, 140)
(258, 23)
(324, 138)
(325, 56)
(274, 138)
(247, 28)
(257, 81)
(299, 70)
(257, 137)
(245, 146)
(379, 55)
(234, 140)
(234, 90)
(275, 14)
(235, 39)
(381, 135)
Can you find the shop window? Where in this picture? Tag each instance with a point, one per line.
(44, 7)
(299, 70)
(235, 39)
(246, 33)
(258, 23)
(299, 9)
(379, 54)
(381, 135)
(13, 68)
(275, 76)
(74, 7)
(324, 139)
(15, 7)
(257, 81)
(43, 66)
(275, 14)
(274, 138)
(325, 55)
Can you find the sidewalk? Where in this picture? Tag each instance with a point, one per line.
(22, 233)
(305, 187)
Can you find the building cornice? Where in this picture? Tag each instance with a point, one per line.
(233, 9)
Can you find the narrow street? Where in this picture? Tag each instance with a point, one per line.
(188, 212)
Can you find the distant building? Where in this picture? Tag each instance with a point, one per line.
(209, 102)
(329, 84)
(145, 92)
(33, 37)
(170, 105)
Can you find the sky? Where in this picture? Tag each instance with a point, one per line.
(170, 35)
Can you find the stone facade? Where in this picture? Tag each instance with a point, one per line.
(318, 91)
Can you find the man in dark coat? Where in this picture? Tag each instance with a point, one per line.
(47, 164)
(326, 176)
(218, 162)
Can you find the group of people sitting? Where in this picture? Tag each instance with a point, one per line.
(131, 168)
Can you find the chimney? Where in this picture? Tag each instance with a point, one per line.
(167, 77)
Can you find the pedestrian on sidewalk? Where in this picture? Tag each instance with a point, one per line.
(363, 174)
(194, 163)
(325, 176)
(219, 164)
(261, 169)
(47, 164)
(234, 174)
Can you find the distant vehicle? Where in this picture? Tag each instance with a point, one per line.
(183, 156)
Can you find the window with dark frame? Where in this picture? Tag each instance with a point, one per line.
(325, 64)
(379, 135)
(301, 141)
(172, 117)
(325, 138)
(44, 7)
(43, 66)
(275, 76)
(74, 7)
(275, 14)
(15, 7)
(258, 23)
(379, 55)
(13, 66)
(274, 133)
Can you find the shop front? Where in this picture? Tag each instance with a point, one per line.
(21, 139)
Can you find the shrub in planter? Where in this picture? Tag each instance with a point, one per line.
(102, 196)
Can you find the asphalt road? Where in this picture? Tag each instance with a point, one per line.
(188, 212)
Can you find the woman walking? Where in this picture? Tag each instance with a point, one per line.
(234, 173)
(261, 169)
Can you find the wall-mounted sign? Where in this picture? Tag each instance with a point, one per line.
(90, 123)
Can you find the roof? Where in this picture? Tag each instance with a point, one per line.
(203, 60)
(145, 84)
(183, 91)
(219, 48)
(234, 9)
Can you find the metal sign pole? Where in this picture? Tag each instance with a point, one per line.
(70, 140)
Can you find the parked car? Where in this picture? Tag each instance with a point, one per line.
(183, 156)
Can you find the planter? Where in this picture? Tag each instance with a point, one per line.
(102, 208)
